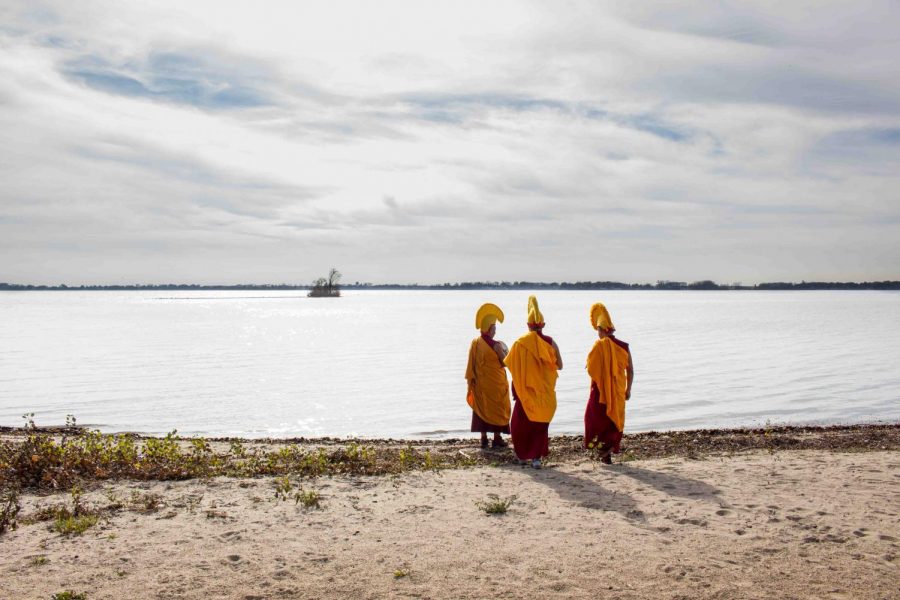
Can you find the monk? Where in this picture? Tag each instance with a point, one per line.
(486, 374)
(533, 362)
(611, 370)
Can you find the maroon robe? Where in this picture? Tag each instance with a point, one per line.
(597, 423)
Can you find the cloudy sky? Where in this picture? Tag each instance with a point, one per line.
(424, 141)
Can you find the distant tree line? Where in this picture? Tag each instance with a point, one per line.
(328, 286)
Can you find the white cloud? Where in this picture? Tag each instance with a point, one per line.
(407, 141)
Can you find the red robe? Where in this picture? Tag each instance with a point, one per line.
(530, 439)
(599, 429)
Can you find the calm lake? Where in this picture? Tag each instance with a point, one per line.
(391, 364)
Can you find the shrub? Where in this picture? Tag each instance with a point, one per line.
(9, 509)
(69, 595)
(495, 505)
(75, 525)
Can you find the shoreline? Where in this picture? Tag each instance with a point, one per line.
(716, 437)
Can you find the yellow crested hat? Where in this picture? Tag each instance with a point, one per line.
(600, 317)
(534, 313)
(487, 315)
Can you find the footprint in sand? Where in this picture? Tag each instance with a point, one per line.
(723, 512)
(234, 558)
(698, 522)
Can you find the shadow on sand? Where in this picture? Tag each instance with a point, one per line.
(584, 492)
(668, 483)
(589, 493)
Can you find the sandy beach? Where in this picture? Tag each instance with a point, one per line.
(761, 523)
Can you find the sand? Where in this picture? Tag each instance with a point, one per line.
(785, 524)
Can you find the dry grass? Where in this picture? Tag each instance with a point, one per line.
(60, 459)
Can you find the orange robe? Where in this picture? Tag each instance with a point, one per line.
(489, 396)
(532, 365)
(607, 365)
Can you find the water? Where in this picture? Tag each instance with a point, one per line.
(379, 364)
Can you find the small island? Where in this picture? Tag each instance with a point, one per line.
(327, 287)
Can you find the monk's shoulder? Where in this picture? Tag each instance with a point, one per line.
(621, 344)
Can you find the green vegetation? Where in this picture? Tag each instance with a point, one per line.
(9, 507)
(309, 499)
(45, 461)
(146, 502)
(284, 489)
(495, 505)
(74, 525)
(38, 561)
(69, 595)
(36, 459)
(67, 520)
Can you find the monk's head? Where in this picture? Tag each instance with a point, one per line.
(601, 321)
(487, 317)
(535, 317)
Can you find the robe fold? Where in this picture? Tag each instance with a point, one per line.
(489, 395)
(604, 417)
(532, 365)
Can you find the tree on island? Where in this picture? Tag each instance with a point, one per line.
(327, 287)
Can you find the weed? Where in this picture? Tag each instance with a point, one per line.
(406, 458)
(9, 509)
(310, 499)
(193, 502)
(112, 498)
(38, 561)
(401, 573)
(44, 461)
(77, 506)
(237, 449)
(283, 488)
(146, 502)
(495, 505)
(74, 525)
(47, 513)
(69, 595)
(73, 520)
(430, 463)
